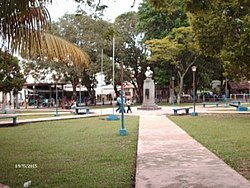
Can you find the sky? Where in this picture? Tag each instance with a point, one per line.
(115, 8)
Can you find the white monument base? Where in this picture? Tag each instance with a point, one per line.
(149, 96)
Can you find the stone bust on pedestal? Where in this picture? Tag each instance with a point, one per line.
(149, 73)
(149, 92)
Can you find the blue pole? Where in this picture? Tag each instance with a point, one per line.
(123, 131)
(249, 97)
(122, 108)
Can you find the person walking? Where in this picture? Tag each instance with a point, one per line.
(129, 106)
(118, 100)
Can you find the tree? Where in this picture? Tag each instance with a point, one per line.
(89, 35)
(221, 29)
(157, 23)
(130, 51)
(179, 49)
(11, 78)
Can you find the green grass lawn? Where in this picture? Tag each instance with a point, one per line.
(227, 135)
(84, 152)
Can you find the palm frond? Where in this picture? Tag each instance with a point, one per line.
(52, 47)
(22, 28)
(19, 17)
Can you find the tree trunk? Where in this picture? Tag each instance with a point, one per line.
(74, 92)
(180, 88)
(117, 93)
(4, 102)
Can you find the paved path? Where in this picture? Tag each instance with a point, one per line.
(169, 157)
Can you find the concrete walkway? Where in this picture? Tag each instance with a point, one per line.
(169, 157)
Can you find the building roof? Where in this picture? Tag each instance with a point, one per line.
(240, 85)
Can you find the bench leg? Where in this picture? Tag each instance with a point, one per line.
(87, 111)
(187, 111)
(175, 113)
(217, 105)
(14, 120)
(203, 105)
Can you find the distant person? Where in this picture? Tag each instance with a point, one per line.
(118, 103)
(129, 106)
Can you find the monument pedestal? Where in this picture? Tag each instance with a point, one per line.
(149, 96)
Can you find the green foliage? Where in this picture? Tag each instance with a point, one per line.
(176, 48)
(179, 49)
(222, 28)
(171, 5)
(131, 51)
(10, 74)
(157, 23)
(90, 35)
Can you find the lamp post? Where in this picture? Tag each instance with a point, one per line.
(123, 130)
(173, 98)
(226, 92)
(113, 116)
(156, 92)
(194, 70)
(56, 78)
(80, 92)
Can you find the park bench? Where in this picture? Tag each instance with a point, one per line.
(79, 109)
(7, 116)
(186, 109)
(210, 103)
(236, 102)
(239, 108)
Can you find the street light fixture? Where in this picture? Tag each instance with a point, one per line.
(56, 78)
(194, 70)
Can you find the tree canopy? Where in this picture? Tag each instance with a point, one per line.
(221, 29)
(11, 77)
(179, 49)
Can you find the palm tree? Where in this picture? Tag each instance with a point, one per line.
(23, 25)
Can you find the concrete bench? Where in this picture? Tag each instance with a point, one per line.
(78, 109)
(239, 108)
(234, 105)
(186, 109)
(242, 108)
(7, 116)
(236, 102)
(210, 103)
